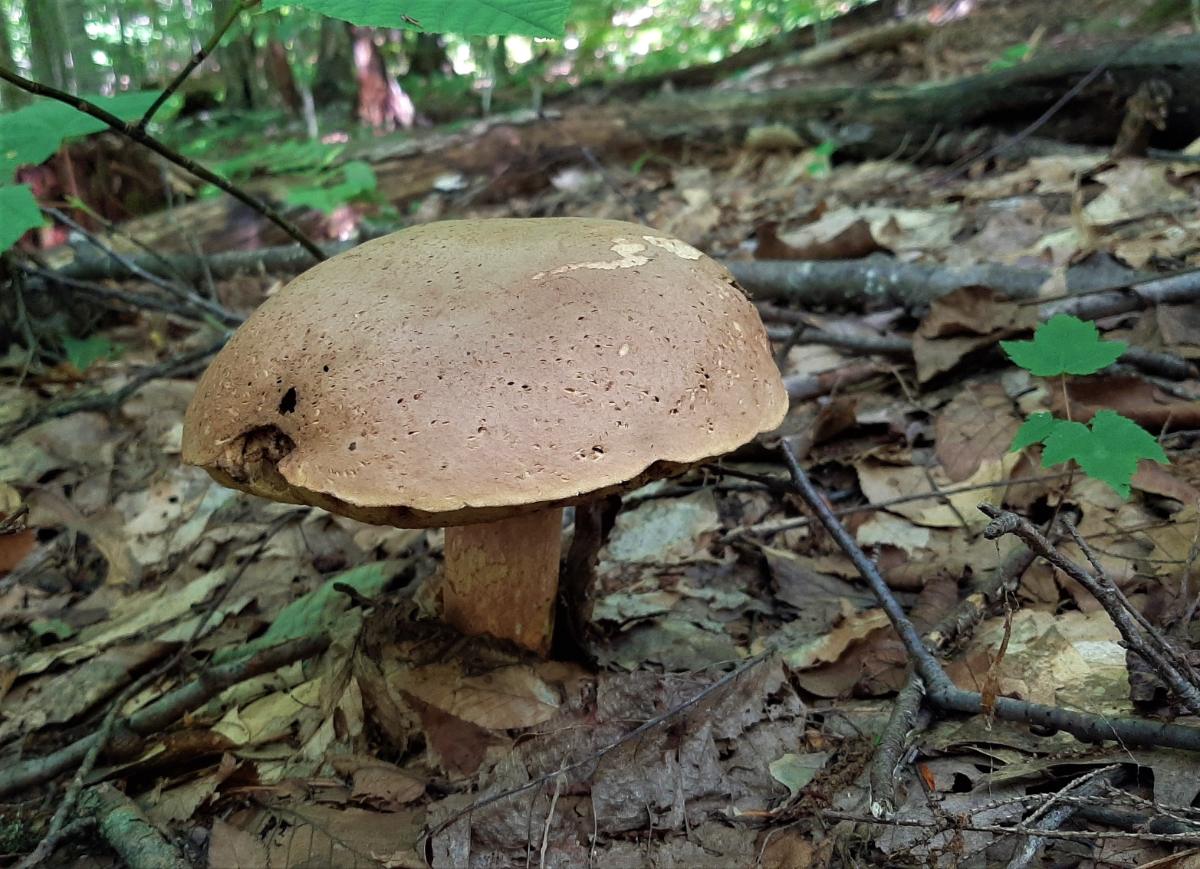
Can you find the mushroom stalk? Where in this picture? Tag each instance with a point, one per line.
(502, 578)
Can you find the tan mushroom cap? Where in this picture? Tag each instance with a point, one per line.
(469, 370)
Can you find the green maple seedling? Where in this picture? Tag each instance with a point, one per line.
(1111, 446)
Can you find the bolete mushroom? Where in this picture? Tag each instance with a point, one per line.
(480, 375)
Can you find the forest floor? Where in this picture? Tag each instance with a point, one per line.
(725, 616)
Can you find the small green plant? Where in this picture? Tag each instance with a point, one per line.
(83, 353)
(30, 135)
(1110, 448)
(353, 181)
(1012, 56)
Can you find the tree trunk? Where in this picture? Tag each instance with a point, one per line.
(47, 46)
(10, 97)
(84, 75)
(428, 57)
(335, 63)
(237, 60)
(128, 64)
(279, 74)
(382, 104)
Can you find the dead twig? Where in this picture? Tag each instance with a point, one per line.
(944, 694)
(198, 58)
(181, 293)
(908, 717)
(1037, 123)
(165, 710)
(184, 363)
(140, 301)
(1055, 812)
(14, 522)
(107, 727)
(599, 754)
(1022, 830)
(135, 133)
(128, 831)
(775, 526)
(881, 280)
(1155, 362)
(1139, 635)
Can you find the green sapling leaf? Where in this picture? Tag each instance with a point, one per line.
(1064, 345)
(1109, 450)
(1033, 431)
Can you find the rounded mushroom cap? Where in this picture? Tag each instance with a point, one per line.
(464, 371)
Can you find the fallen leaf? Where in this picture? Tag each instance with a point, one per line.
(664, 531)
(977, 424)
(231, 848)
(502, 699)
(795, 771)
(385, 787)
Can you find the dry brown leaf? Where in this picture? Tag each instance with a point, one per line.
(180, 803)
(14, 547)
(853, 241)
(459, 747)
(1130, 396)
(1163, 480)
(974, 311)
(977, 425)
(231, 848)
(350, 838)
(506, 698)
(833, 645)
(885, 483)
(385, 787)
(1133, 188)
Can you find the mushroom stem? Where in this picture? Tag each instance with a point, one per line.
(502, 578)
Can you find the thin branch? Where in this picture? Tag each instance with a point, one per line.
(1055, 812)
(1021, 829)
(1038, 122)
(198, 58)
(1137, 632)
(108, 726)
(598, 755)
(944, 694)
(907, 715)
(1156, 362)
(183, 294)
(140, 844)
(106, 294)
(774, 526)
(105, 401)
(136, 134)
(160, 713)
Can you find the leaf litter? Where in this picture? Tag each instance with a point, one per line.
(350, 758)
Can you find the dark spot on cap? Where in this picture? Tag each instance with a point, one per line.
(287, 404)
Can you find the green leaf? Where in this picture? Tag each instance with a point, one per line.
(21, 214)
(316, 611)
(360, 174)
(1064, 345)
(465, 17)
(1109, 451)
(358, 179)
(1011, 56)
(33, 133)
(83, 353)
(1033, 431)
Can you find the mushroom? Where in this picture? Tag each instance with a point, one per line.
(481, 375)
